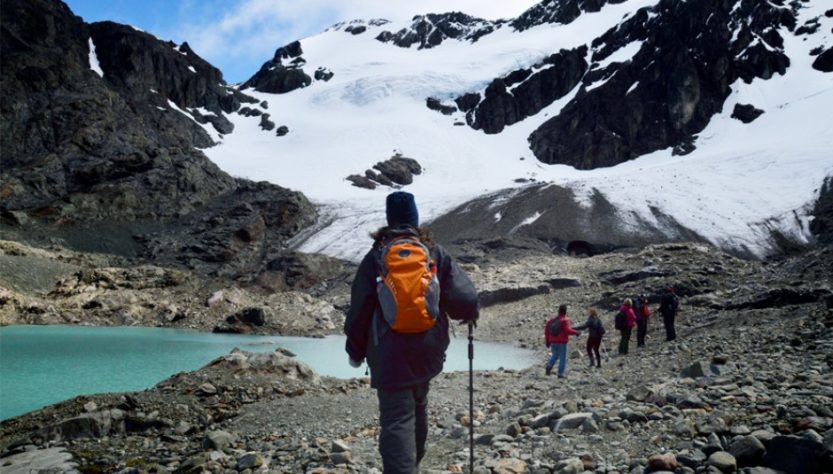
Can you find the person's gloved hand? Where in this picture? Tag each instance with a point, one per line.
(354, 363)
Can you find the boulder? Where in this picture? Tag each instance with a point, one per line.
(748, 451)
(662, 462)
(250, 461)
(218, 440)
(824, 61)
(572, 421)
(746, 113)
(723, 461)
(795, 455)
(50, 460)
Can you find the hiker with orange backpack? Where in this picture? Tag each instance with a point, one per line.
(557, 333)
(404, 292)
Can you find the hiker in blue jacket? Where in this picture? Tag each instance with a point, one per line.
(403, 364)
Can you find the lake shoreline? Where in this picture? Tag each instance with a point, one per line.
(748, 332)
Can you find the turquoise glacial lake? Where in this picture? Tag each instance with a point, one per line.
(42, 365)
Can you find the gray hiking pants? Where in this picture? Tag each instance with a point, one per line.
(403, 417)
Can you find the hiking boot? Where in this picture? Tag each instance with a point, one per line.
(599, 365)
(562, 376)
(549, 370)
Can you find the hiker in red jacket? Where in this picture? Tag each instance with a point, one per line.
(557, 333)
(625, 325)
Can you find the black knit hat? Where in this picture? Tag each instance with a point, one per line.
(401, 209)
(562, 309)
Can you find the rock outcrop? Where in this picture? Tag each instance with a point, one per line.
(524, 92)
(109, 160)
(428, 31)
(685, 58)
(396, 171)
(283, 73)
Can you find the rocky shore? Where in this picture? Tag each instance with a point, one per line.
(747, 387)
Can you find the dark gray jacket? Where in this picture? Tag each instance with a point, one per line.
(399, 360)
(594, 328)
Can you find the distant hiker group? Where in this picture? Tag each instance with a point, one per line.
(633, 312)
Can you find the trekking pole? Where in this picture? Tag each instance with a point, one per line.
(471, 397)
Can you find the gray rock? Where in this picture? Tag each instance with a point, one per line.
(250, 461)
(88, 425)
(696, 370)
(572, 421)
(338, 446)
(589, 426)
(341, 458)
(182, 428)
(218, 440)
(793, 454)
(692, 459)
(540, 421)
(723, 461)
(639, 394)
(513, 430)
(51, 460)
(569, 466)
(748, 450)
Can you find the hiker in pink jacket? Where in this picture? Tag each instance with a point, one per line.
(625, 322)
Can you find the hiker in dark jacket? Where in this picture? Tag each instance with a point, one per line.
(643, 313)
(403, 364)
(595, 331)
(557, 333)
(630, 322)
(668, 309)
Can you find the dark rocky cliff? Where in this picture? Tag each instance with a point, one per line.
(674, 84)
(100, 162)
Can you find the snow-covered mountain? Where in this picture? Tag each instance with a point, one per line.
(608, 122)
(705, 119)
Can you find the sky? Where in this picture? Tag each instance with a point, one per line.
(238, 36)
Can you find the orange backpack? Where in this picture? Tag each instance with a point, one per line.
(407, 286)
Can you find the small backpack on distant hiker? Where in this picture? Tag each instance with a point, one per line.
(555, 328)
(407, 285)
(620, 322)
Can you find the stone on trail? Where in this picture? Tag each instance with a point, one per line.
(696, 370)
(569, 466)
(639, 394)
(723, 461)
(794, 455)
(748, 451)
(507, 466)
(663, 462)
(572, 421)
(39, 460)
(218, 440)
(339, 446)
(341, 458)
(250, 461)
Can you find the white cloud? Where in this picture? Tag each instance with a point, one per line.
(248, 33)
